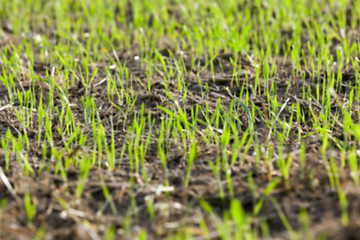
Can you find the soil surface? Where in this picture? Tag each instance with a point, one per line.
(177, 207)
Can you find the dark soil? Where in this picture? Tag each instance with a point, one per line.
(176, 208)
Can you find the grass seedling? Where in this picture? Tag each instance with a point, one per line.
(108, 197)
(85, 165)
(271, 186)
(284, 163)
(302, 160)
(282, 216)
(216, 170)
(161, 152)
(344, 207)
(3, 203)
(110, 233)
(354, 167)
(191, 159)
(30, 208)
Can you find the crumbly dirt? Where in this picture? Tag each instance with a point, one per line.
(177, 207)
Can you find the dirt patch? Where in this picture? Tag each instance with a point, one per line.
(134, 196)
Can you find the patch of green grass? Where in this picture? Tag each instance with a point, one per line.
(109, 85)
